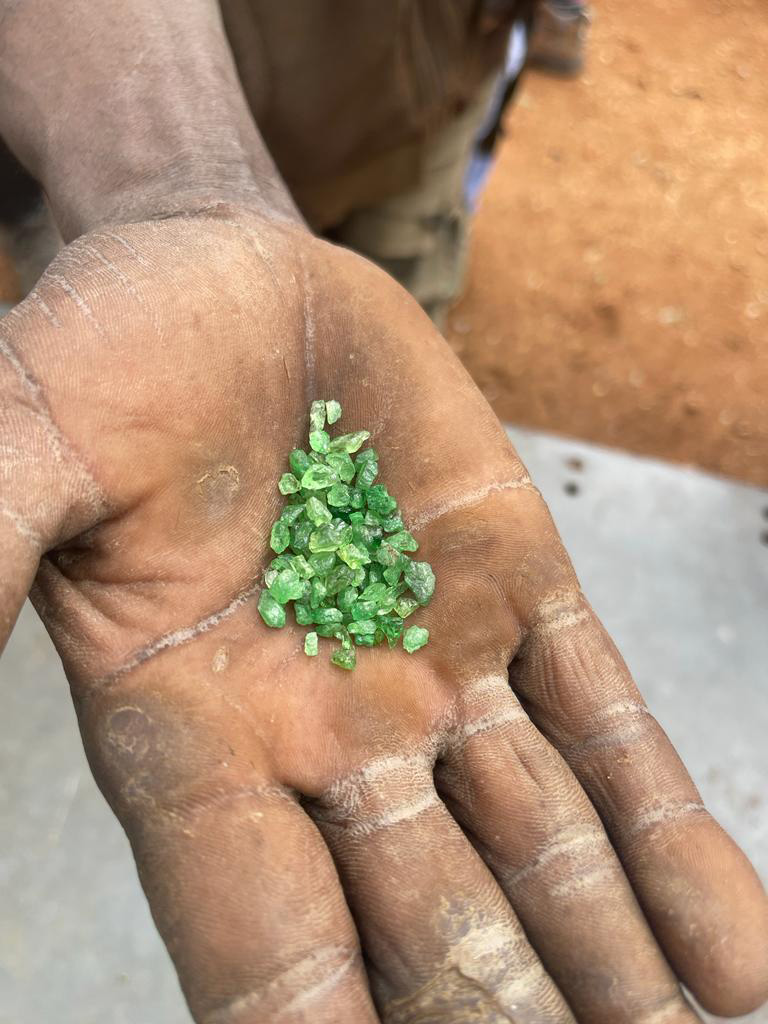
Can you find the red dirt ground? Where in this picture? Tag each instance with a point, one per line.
(618, 287)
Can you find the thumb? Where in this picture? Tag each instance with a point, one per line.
(47, 491)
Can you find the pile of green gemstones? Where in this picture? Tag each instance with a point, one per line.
(342, 549)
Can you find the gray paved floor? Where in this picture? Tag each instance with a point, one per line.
(671, 559)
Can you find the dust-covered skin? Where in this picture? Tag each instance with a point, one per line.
(418, 841)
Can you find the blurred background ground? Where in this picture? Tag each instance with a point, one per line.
(618, 289)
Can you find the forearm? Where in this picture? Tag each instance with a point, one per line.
(131, 110)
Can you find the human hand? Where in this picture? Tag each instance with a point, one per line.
(419, 829)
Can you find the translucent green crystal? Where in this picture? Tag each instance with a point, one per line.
(280, 537)
(362, 626)
(350, 443)
(288, 484)
(339, 495)
(322, 561)
(287, 586)
(317, 415)
(299, 462)
(379, 500)
(300, 534)
(405, 606)
(367, 473)
(317, 512)
(291, 513)
(333, 411)
(363, 610)
(329, 537)
(344, 658)
(414, 638)
(403, 541)
(342, 464)
(325, 616)
(271, 610)
(302, 567)
(369, 455)
(305, 615)
(318, 477)
(346, 597)
(320, 442)
(391, 626)
(310, 644)
(317, 593)
(354, 555)
(421, 580)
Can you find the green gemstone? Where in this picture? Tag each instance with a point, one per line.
(354, 555)
(322, 561)
(379, 500)
(317, 593)
(405, 606)
(318, 477)
(338, 495)
(299, 462)
(291, 513)
(280, 537)
(329, 537)
(317, 512)
(281, 562)
(317, 415)
(403, 541)
(392, 574)
(334, 629)
(339, 578)
(391, 524)
(343, 465)
(359, 576)
(326, 616)
(356, 501)
(421, 580)
(287, 586)
(332, 410)
(310, 644)
(288, 484)
(414, 638)
(300, 534)
(350, 443)
(369, 455)
(362, 626)
(391, 626)
(367, 473)
(320, 442)
(269, 576)
(375, 574)
(356, 517)
(302, 567)
(344, 657)
(387, 555)
(365, 640)
(346, 598)
(363, 610)
(375, 592)
(271, 610)
(304, 614)
(365, 535)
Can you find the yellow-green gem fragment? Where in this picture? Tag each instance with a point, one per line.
(414, 638)
(317, 415)
(319, 441)
(344, 657)
(333, 411)
(280, 537)
(288, 484)
(310, 644)
(350, 443)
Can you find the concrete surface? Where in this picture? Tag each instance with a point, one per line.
(674, 562)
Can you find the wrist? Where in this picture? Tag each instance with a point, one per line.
(141, 116)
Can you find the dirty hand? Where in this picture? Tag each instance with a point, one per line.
(492, 829)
